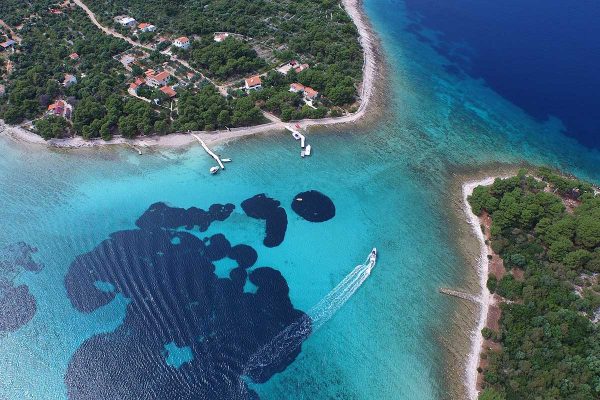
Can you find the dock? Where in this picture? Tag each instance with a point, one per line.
(459, 294)
(299, 136)
(209, 151)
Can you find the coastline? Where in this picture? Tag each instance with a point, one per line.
(485, 299)
(366, 91)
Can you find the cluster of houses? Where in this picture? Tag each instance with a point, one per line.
(129, 22)
(154, 79)
(308, 93)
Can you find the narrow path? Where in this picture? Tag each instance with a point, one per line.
(13, 35)
(112, 32)
(109, 31)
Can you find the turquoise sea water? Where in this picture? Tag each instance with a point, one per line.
(390, 185)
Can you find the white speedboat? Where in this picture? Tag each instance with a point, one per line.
(214, 170)
(307, 150)
(371, 260)
(226, 159)
(373, 255)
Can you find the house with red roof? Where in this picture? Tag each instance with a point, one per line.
(134, 86)
(74, 56)
(253, 83)
(301, 68)
(182, 42)
(146, 27)
(157, 80)
(169, 91)
(310, 93)
(60, 108)
(297, 88)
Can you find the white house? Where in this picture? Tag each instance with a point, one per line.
(158, 80)
(145, 27)
(182, 42)
(221, 36)
(126, 21)
(253, 83)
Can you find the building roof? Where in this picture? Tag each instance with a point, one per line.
(253, 81)
(8, 43)
(73, 56)
(161, 76)
(301, 68)
(182, 39)
(149, 72)
(169, 91)
(297, 87)
(70, 78)
(310, 92)
(144, 25)
(56, 104)
(221, 36)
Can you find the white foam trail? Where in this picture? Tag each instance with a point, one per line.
(286, 341)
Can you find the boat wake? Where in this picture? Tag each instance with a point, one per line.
(288, 340)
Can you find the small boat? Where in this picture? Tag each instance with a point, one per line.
(373, 255)
(226, 159)
(302, 153)
(214, 170)
(371, 260)
(307, 150)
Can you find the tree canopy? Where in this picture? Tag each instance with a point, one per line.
(550, 346)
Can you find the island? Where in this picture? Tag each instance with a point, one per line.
(104, 69)
(542, 236)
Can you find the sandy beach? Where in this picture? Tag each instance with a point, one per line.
(487, 302)
(371, 68)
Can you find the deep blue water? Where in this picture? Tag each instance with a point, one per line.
(542, 55)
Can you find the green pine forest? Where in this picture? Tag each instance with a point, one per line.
(548, 226)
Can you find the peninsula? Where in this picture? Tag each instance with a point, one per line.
(123, 71)
(541, 296)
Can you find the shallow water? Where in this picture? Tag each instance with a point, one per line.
(391, 187)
